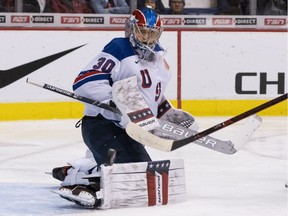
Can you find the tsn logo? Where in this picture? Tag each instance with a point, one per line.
(70, 20)
(275, 21)
(245, 78)
(171, 21)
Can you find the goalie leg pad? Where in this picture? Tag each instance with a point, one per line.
(131, 185)
(142, 184)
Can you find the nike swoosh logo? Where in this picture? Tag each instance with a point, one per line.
(11, 75)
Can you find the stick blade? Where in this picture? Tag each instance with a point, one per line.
(146, 138)
(246, 131)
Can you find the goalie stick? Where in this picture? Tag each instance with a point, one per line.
(149, 139)
(226, 147)
(73, 95)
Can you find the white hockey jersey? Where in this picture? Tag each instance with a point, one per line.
(118, 61)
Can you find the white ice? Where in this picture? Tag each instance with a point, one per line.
(248, 183)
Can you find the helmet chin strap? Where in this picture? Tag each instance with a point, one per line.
(143, 51)
(144, 55)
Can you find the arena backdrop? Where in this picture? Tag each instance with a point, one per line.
(220, 65)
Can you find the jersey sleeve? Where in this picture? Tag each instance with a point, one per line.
(95, 82)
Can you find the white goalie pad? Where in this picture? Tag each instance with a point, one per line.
(80, 168)
(142, 184)
(132, 105)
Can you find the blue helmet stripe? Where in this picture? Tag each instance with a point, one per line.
(151, 17)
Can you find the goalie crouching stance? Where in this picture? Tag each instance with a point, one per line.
(129, 73)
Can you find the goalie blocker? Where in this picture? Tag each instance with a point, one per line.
(127, 185)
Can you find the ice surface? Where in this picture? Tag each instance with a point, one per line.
(248, 183)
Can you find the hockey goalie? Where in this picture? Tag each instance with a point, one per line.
(130, 74)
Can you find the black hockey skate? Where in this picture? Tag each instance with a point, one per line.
(82, 195)
(59, 173)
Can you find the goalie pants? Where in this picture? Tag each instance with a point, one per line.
(101, 134)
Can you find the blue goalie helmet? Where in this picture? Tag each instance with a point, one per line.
(143, 28)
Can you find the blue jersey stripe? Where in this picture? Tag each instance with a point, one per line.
(120, 48)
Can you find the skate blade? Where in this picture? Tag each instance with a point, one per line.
(89, 202)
